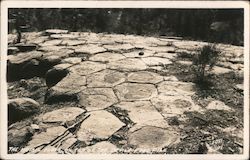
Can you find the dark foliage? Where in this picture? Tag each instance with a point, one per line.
(227, 24)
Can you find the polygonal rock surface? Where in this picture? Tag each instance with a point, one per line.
(62, 115)
(71, 42)
(220, 70)
(154, 61)
(176, 88)
(72, 60)
(45, 137)
(174, 105)
(87, 67)
(89, 49)
(97, 98)
(23, 57)
(144, 77)
(100, 147)
(140, 112)
(100, 125)
(64, 36)
(64, 52)
(56, 31)
(152, 138)
(161, 49)
(106, 78)
(134, 91)
(218, 105)
(139, 53)
(129, 64)
(67, 88)
(54, 42)
(106, 57)
(118, 47)
(165, 55)
(170, 78)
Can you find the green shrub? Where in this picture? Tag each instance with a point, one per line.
(204, 61)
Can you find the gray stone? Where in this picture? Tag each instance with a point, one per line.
(220, 70)
(62, 53)
(118, 47)
(154, 61)
(44, 137)
(72, 60)
(170, 106)
(71, 42)
(153, 138)
(89, 49)
(18, 137)
(176, 88)
(185, 62)
(141, 112)
(139, 53)
(87, 67)
(129, 64)
(99, 148)
(170, 78)
(97, 98)
(218, 105)
(12, 50)
(56, 31)
(145, 77)
(21, 108)
(133, 91)
(68, 143)
(54, 42)
(64, 36)
(62, 115)
(24, 57)
(165, 55)
(106, 78)
(106, 57)
(100, 125)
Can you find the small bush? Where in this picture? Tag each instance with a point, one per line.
(204, 61)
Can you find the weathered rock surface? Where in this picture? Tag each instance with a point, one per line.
(170, 106)
(155, 61)
(134, 91)
(99, 148)
(106, 78)
(21, 108)
(145, 77)
(100, 125)
(129, 64)
(97, 98)
(176, 88)
(139, 53)
(106, 57)
(62, 115)
(43, 138)
(89, 49)
(18, 137)
(56, 31)
(153, 138)
(218, 105)
(87, 67)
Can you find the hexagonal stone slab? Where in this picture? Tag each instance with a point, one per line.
(135, 91)
(89, 49)
(97, 98)
(70, 42)
(129, 64)
(218, 105)
(170, 106)
(62, 115)
(53, 42)
(140, 112)
(145, 77)
(56, 31)
(118, 47)
(44, 137)
(153, 138)
(155, 61)
(106, 57)
(176, 88)
(87, 67)
(166, 55)
(100, 125)
(106, 78)
(139, 53)
(72, 60)
(100, 148)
